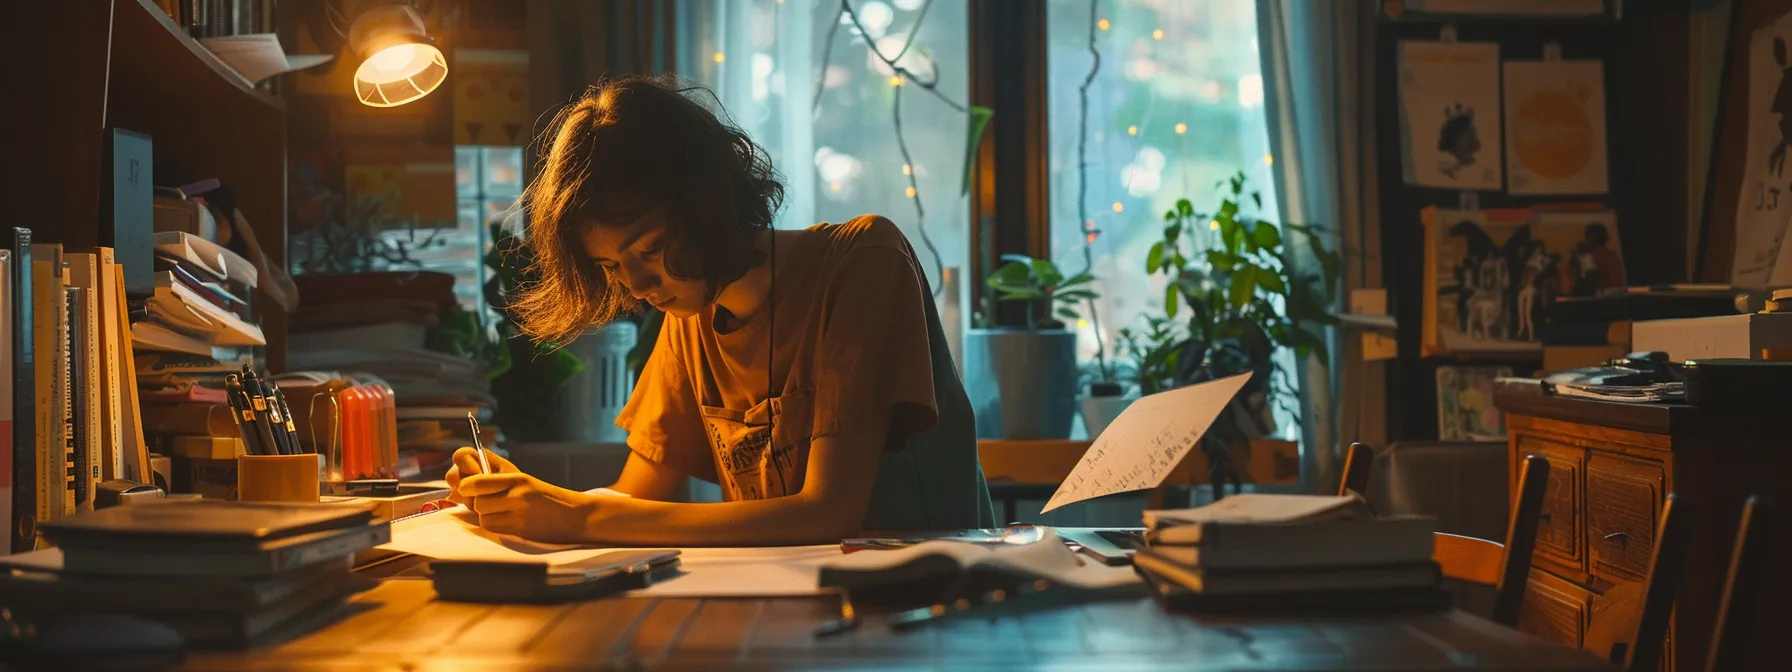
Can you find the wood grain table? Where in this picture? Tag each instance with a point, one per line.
(401, 626)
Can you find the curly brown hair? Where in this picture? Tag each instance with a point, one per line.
(626, 147)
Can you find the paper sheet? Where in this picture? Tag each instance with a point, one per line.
(707, 572)
(258, 56)
(1139, 448)
(1555, 127)
(1761, 204)
(1450, 114)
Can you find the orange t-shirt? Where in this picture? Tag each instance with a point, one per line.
(856, 334)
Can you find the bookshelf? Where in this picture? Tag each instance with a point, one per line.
(89, 65)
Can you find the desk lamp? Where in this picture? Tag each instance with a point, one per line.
(399, 63)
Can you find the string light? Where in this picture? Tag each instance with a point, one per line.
(1157, 34)
(1102, 24)
(911, 192)
(1181, 128)
(835, 186)
(1268, 160)
(1092, 236)
(719, 57)
(907, 169)
(895, 80)
(1213, 225)
(1132, 130)
(1082, 323)
(1118, 207)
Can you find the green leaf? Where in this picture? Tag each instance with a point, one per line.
(1184, 207)
(1244, 286)
(1154, 258)
(1257, 197)
(979, 119)
(1075, 295)
(1047, 272)
(1169, 215)
(1172, 300)
(1075, 280)
(1267, 236)
(1067, 314)
(1219, 260)
(1271, 282)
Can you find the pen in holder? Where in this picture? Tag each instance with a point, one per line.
(277, 478)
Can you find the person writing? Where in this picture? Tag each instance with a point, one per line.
(804, 371)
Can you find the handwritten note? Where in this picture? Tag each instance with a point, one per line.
(1139, 448)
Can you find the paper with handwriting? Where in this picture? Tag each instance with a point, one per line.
(1139, 448)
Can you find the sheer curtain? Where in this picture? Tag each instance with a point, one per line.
(1318, 68)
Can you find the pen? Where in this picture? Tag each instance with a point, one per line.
(240, 413)
(292, 430)
(485, 467)
(264, 420)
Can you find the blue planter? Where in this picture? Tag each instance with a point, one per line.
(1022, 384)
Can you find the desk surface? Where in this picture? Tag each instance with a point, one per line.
(400, 626)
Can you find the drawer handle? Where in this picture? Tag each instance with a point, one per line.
(1620, 537)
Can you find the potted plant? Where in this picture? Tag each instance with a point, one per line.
(1023, 381)
(1248, 296)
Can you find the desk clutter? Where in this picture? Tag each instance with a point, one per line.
(220, 574)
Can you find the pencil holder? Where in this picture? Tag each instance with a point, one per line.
(277, 478)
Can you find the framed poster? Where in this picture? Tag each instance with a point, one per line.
(1475, 265)
(1449, 114)
(1465, 410)
(1555, 127)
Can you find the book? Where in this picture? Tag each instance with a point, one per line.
(6, 390)
(1210, 581)
(24, 393)
(1327, 602)
(180, 307)
(37, 583)
(50, 341)
(241, 525)
(155, 337)
(135, 450)
(167, 274)
(114, 335)
(206, 447)
(213, 557)
(90, 412)
(206, 255)
(1256, 531)
(1184, 526)
(191, 419)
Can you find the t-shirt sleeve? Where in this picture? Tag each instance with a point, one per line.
(662, 417)
(874, 356)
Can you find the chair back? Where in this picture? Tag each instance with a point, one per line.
(1357, 464)
(1741, 585)
(1665, 563)
(1506, 566)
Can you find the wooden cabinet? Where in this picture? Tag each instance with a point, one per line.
(1612, 466)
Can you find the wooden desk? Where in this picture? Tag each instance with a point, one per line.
(399, 626)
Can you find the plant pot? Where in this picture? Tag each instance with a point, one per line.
(1099, 412)
(1022, 384)
(594, 397)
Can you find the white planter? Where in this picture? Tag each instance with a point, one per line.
(1099, 412)
(594, 397)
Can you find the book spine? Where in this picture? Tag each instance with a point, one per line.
(66, 362)
(24, 395)
(114, 335)
(48, 342)
(6, 391)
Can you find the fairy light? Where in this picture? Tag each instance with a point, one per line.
(895, 80)
(719, 57)
(1082, 323)
(1213, 225)
(1102, 24)
(1268, 160)
(1132, 130)
(1181, 128)
(1119, 207)
(1157, 34)
(835, 186)
(907, 169)
(911, 192)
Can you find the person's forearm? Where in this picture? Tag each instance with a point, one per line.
(793, 520)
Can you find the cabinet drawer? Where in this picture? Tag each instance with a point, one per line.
(1624, 499)
(1554, 609)
(1559, 525)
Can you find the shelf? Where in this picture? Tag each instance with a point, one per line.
(147, 11)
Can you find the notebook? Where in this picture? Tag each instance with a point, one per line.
(186, 522)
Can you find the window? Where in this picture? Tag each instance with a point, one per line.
(487, 183)
(1175, 106)
(802, 79)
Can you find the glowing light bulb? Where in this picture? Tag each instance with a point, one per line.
(1118, 207)
(1181, 128)
(907, 169)
(1132, 130)
(1157, 34)
(910, 192)
(1082, 323)
(1268, 160)
(393, 58)
(719, 57)
(1102, 24)
(895, 80)
(835, 186)
(1213, 225)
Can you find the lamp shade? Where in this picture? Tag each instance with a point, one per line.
(399, 63)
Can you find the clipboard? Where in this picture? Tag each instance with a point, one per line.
(600, 575)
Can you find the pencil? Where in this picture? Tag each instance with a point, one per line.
(485, 466)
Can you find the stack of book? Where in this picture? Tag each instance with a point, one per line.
(222, 574)
(1255, 552)
(196, 328)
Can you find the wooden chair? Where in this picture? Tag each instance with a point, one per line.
(1663, 581)
(1357, 464)
(1506, 566)
(1740, 587)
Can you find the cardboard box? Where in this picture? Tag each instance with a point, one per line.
(1723, 337)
